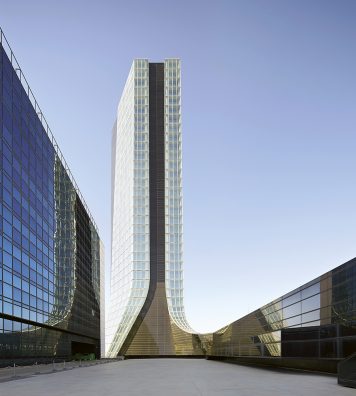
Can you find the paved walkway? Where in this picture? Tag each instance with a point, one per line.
(174, 377)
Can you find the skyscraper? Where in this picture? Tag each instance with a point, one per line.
(147, 313)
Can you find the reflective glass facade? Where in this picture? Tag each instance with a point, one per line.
(173, 193)
(50, 249)
(147, 313)
(317, 320)
(130, 221)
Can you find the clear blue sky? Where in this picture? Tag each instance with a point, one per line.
(269, 128)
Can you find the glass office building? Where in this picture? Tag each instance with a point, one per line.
(147, 312)
(316, 321)
(51, 254)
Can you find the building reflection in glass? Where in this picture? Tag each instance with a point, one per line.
(317, 320)
(50, 248)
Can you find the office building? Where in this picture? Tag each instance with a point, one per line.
(147, 313)
(312, 327)
(51, 264)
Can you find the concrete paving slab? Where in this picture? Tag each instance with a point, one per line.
(174, 377)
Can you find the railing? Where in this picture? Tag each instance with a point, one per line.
(6, 46)
(16, 371)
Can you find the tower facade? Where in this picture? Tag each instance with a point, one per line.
(147, 313)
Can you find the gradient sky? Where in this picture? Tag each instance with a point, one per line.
(269, 138)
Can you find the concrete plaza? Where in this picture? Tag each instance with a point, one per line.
(174, 377)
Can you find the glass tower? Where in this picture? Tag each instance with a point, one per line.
(147, 313)
(51, 256)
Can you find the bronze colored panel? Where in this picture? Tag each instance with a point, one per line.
(158, 335)
(187, 344)
(325, 298)
(154, 336)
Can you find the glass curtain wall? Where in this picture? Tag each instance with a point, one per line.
(317, 320)
(173, 194)
(42, 236)
(130, 270)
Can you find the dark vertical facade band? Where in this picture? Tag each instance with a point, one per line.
(157, 169)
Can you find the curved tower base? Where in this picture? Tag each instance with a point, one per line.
(157, 334)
